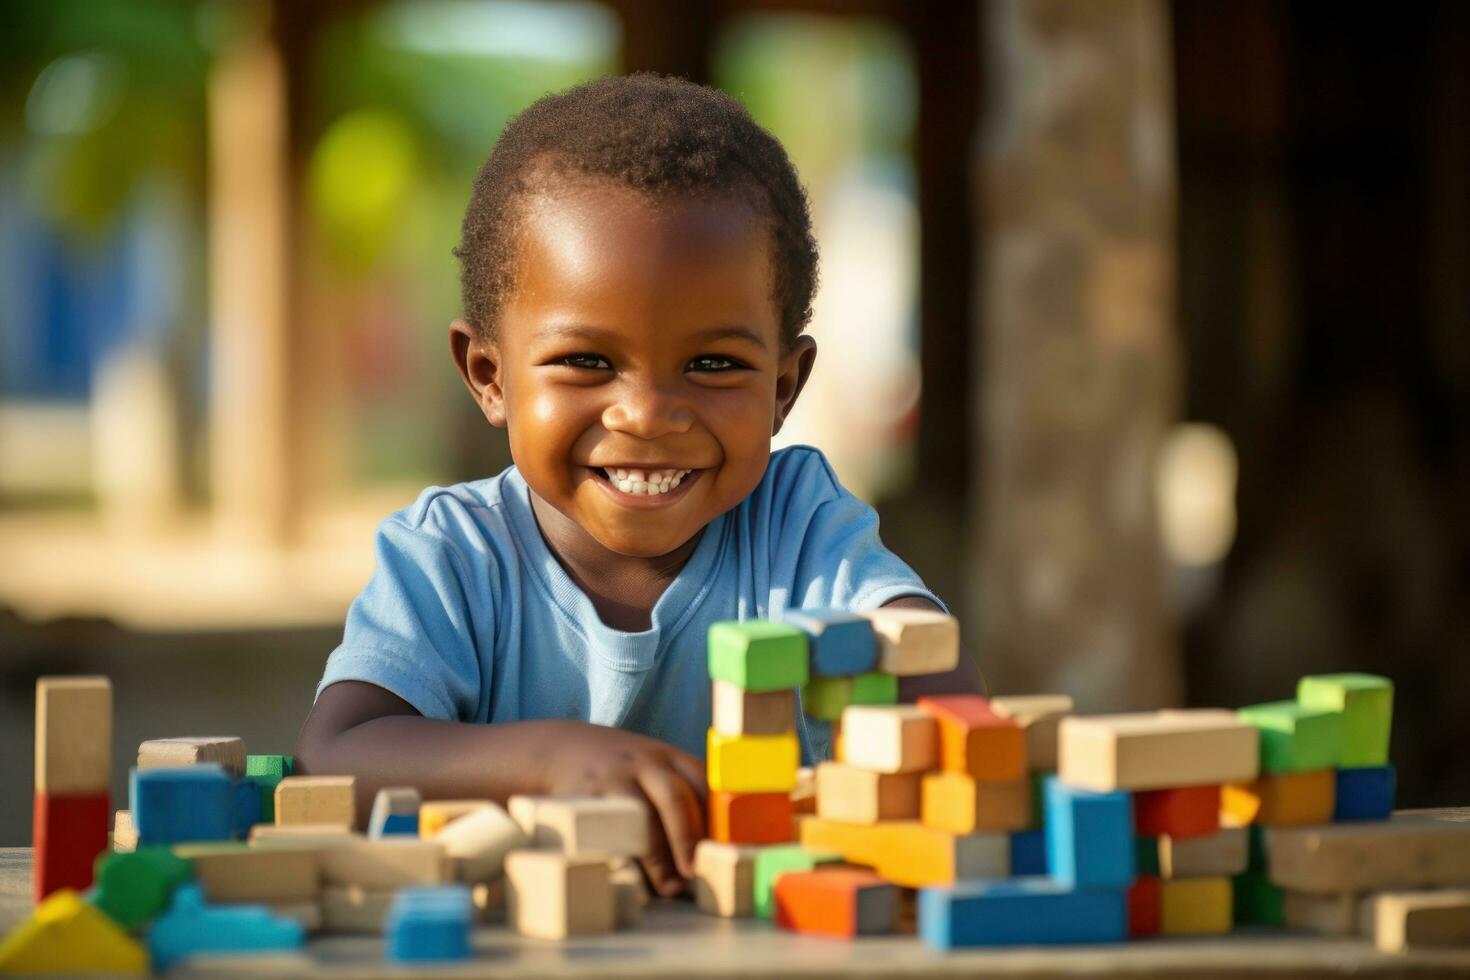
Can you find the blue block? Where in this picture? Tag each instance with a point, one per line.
(190, 803)
(1028, 853)
(191, 928)
(1365, 793)
(429, 923)
(400, 823)
(246, 794)
(1020, 912)
(840, 643)
(1089, 836)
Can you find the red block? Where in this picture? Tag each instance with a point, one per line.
(750, 818)
(1145, 899)
(836, 902)
(67, 832)
(1189, 811)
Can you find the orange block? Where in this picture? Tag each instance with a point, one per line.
(960, 804)
(907, 853)
(843, 902)
(974, 739)
(749, 818)
(1187, 811)
(1280, 799)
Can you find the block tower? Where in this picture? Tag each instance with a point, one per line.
(73, 780)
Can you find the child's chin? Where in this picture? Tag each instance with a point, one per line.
(642, 545)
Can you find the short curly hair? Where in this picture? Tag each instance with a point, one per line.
(655, 134)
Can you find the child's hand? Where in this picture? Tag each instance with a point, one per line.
(593, 760)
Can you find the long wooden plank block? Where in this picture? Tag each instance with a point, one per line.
(1155, 750)
(1410, 851)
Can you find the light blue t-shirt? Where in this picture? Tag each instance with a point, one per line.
(469, 616)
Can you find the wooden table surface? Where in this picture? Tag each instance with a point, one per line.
(677, 941)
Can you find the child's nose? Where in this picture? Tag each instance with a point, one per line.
(646, 410)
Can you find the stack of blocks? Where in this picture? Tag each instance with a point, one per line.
(73, 780)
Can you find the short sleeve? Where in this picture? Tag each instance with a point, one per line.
(413, 629)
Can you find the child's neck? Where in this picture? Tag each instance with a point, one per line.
(623, 589)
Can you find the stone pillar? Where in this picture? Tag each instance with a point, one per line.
(1078, 358)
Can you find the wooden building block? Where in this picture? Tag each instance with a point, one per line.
(750, 818)
(864, 796)
(135, 887)
(1280, 799)
(1366, 703)
(890, 738)
(191, 803)
(1089, 836)
(773, 862)
(316, 835)
(522, 810)
(1196, 907)
(1325, 915)
(169, 753)
(758, 655)
(1156, 750)
(266, 771)
(429, 924)
(435, 814)
(752, 763)
(1408, 852)
(1364, 794)
(306, 914)
(1146, 855)
(395, 811)
(246, 806)
(630, 894)
(66, 935)
(611, 826)
(191, 928)
(233, 872)
(1296, 738)
(825, 698)
(840, 643)
(1028, 853)
(804, 793)
(875, 687)
(1020, 912)
(1184, 811)
(67, 834)
(960, 804)
(1415, 920)
(355, 910)
(1039, 715)
(724, 878)
(1145, 905)
(124, 835)
(844, 902)
(476, 844)
(1257, 901)
(385, 862)
(489, 899)
(909, 854)
(73, 736)
(551, 895)
(975, 740)
(317, 800)
(736, 711)
(915, 641)
(1221, 854)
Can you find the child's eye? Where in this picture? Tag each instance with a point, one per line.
(714, 362)
(591, 362)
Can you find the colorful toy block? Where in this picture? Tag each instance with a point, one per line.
(233, 872)
(192, 803)
(246, 805)
(395, 811)
(845, 902)
(1366, 703)
(864, 796)
(1257, 901)
(124, 834)
(1364, 794)
(65, 935)
(1414, 920)
(191, 928)
(758, 655)
(1039, 716)
(825, 698)
(915, 641)
(909, 854)
(804, 793)
(750, 818)
(429, 924)
(316, 800)
(1223, 853)
(476, 844)
(355, 910)
(1157, 750)
(724, 878)
(840, 643)
(890, 738)
(1280, 799)
(1184, 811)
(1028, 853)
(265, 771)
(170, 753)
(1294, 737)
(134, 887)
(1020, 912)
(551, 895)
(1145, 906)
(1324, 915)
(1038, 799)
(752, 763)
(975, 740)
(773, 862)
(73, 779)
(960, 804)
(875, 688)
(740, 712)
(436, 814)
(1089, 837)
(1408, 852)
(611, 826)
(68, 832)
(1195, 907)
(1146, 856)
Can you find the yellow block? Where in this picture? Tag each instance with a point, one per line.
(1280, 799)
(909, 854)
(67, 935)
(434, 814)
(752, 763)
(1195, 907)
(957, 803)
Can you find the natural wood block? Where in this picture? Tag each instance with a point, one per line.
(739, 712)
(915, 641)
(724, 875)
(1222, 854)
(1295, 738)
(957, 803)
(378, 863)
(909, 854)
(162, 753)
(233, 872)
(1280, 799)
(316, 800)
(489, 900)
(750, 818)
(124, 834)
(1183, 811)
(1325, 915)
(308, 914)
(1155, 750)
(1412, 920)
(975, 740)
(1366, 703)
(844, 902)
(476, 844)
(890, 738)
(610, 826)
(434, 814)
(630, 894)
(864, 796)
(758, 655)
(395, 811)
(1039, 715)
(1196, 907)
(522, 810)
(1408, 852)
(752, 763)
(355, 910)
(302, 835)
(73, 736)
(551, 895)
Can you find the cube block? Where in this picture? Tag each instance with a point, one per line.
(749, 818)
(607, 826)
(862, 796)
(1364, 794)
(740, 712)
(1196, 907)
(1145, 905)
(752, 763)
(974, 740)
(551, 895)
(1039, 716)
(67, 834)
(843, 902)
(395, 811)
(430, 924)
(317, 800)
(724, 878)
(773, 862)
(1366, 703)
(1185, 811)
(960, 804)
(758, 655)
(875, 688)
(1281, 799)
(1296, 738)
(171, 806)
(889, 738)
(915, 641)
(825, 698)
(840, 643)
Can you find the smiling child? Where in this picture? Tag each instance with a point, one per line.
(638, 269)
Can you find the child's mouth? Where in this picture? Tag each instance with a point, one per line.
(653, 486)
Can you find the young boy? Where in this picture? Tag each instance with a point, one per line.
(637, 266)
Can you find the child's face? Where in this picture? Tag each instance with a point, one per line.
(642, 335)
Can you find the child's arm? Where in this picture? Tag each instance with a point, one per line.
(366, 731)
(964, 679)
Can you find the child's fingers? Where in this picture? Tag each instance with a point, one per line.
(678, 811)
(658, 863)
(692, 770)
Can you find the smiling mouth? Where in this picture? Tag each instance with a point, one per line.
(642, 482)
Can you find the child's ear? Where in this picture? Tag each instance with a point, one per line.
(478, 360)
(796, 367)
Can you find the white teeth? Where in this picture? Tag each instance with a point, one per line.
(646, 483)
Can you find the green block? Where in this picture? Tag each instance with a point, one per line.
(1257, 901)
(1295, 738)
(772, 862)
(824, 698)
(1366, 703)
(1038, 800)
(134, 887)
(875, 688)
(758, 655)
(1146, 855)
(1258, 859)
(265, 771)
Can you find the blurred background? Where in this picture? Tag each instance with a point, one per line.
(1146, 327)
